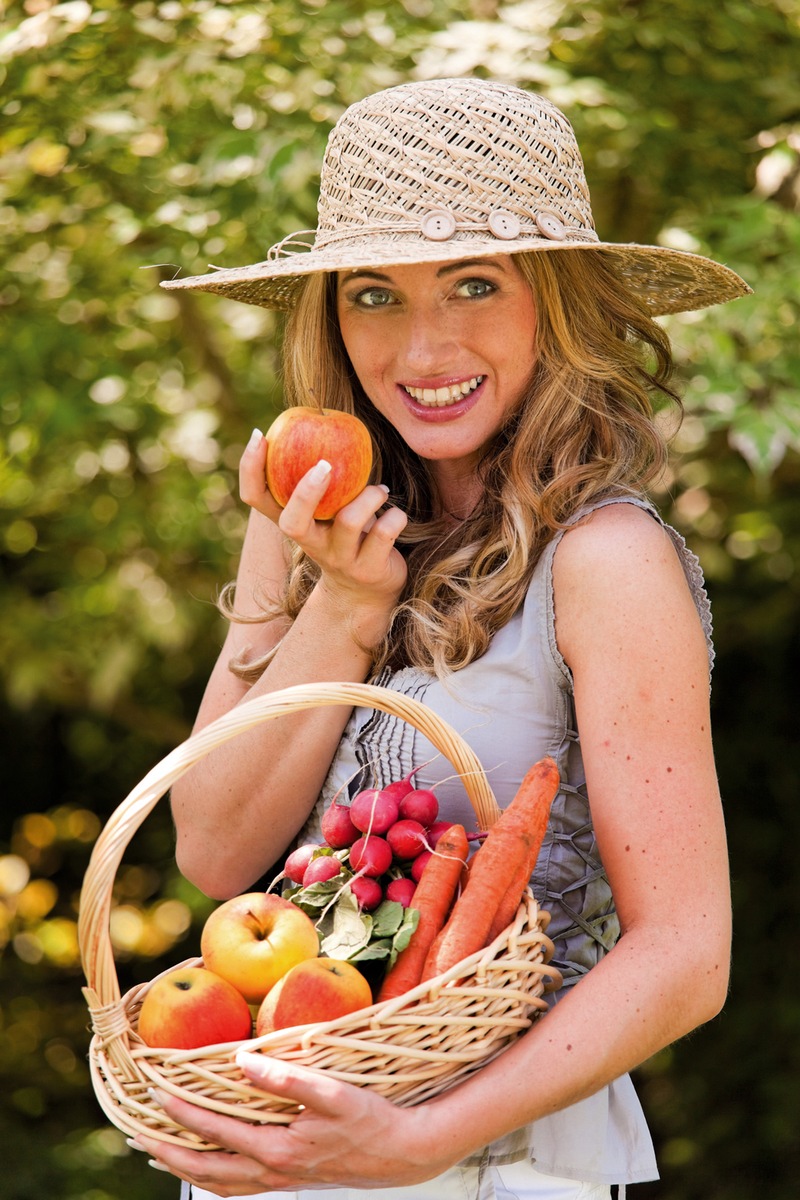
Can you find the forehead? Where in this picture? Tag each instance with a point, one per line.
(502, 264)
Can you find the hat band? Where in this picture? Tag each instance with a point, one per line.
(438, 225)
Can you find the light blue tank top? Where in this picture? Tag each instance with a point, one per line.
(514, 705)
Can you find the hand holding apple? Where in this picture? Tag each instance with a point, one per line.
(254, 939)
(300, 437)
(192, 1007)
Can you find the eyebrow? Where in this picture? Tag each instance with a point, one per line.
(447, 269)
(470, 262)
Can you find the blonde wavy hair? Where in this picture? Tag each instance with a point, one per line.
(584, 428)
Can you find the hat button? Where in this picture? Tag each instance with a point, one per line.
(503, 224)
(438, 225)
(550, 225)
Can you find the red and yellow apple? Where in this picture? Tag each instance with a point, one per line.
(191, 1007)
(254, 939)
(300, 437)
(319, 989)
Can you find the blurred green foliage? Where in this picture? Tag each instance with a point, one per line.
(143, 139)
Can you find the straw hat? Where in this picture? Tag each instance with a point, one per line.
(459, 168)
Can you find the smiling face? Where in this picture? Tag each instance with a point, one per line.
(443, 351)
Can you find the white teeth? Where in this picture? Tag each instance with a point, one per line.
(443, 396)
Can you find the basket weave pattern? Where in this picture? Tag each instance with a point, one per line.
(407, 1049)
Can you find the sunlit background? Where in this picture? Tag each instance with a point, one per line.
(141, 140)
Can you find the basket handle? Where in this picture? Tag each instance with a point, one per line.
(95, 904)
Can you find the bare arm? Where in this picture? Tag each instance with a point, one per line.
(629, 631)
(239, 808)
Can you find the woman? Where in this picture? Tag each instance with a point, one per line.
(506, 569)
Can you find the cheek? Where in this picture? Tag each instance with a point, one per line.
(367, 358)
(367, 371)
(523, 347)
(358, 347)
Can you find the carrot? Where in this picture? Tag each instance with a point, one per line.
(498, 872)
(432, 899)
(464, 877)
(508, 906)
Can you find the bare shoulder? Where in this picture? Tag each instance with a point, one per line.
(618, 570)
(615, 544)
(617, 532)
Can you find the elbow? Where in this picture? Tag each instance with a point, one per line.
(716, 991)
(708, 987)
(718, 966)
(203, 854)
(213, 875)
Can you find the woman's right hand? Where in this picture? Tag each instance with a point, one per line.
(359, 563)
(266, 780)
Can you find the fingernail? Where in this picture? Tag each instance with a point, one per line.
(254, 1063)
(255, 439)
(320, 471)
(152, 1162)
(384, 488)
(134, 1145)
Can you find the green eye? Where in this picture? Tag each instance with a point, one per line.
(374, 297)
(474, 289)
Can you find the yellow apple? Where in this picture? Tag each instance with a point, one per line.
(193, 1007)
(319, 989)
(254, 939)
(300, 437)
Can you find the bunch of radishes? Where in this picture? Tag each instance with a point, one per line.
(379, 843)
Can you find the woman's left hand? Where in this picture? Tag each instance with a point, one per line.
(345, 1136)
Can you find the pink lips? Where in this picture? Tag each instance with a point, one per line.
(447, 412)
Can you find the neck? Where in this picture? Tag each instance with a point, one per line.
(459, 491)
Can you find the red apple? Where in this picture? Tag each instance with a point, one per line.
(193, 1007)
(300, 437)
(254, 939)
(319, 989)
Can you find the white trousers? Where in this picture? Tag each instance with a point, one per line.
(517, 1182)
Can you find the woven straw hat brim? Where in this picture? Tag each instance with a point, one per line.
(447, 169)
(665, 280)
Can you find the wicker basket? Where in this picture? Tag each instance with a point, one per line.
(407, 1049)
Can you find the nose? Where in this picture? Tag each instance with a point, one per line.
(429, 347)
